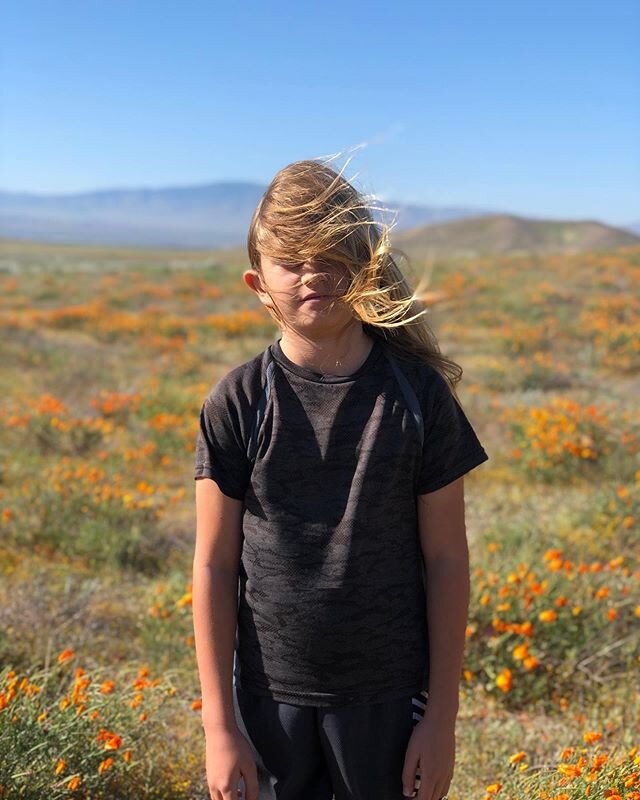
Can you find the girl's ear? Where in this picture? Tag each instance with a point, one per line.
(252, 278)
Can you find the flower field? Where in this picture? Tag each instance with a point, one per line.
(106, 358)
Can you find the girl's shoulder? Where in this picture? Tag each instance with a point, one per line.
(424, 378)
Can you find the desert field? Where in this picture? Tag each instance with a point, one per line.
(107, 356)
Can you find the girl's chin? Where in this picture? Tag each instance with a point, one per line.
(322, 318)
(322, 312)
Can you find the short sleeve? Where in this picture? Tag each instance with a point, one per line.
(451, 447)
(220, 452)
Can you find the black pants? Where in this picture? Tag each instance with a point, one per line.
(320, 753)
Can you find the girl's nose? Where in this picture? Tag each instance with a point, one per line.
(311, 276)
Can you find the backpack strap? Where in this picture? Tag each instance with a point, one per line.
(260, 411)
(409, 396)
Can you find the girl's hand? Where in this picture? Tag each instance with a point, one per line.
(432, 746)
(229, 756)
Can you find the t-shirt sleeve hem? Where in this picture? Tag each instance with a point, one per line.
(461, 468)
(230, 491)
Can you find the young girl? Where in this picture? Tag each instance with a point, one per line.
(330, 521)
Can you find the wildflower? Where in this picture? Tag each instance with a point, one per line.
(569, 770)
(65, 655)
(104, 765)
(526, 628)
(185, 600)
(561, 601)
(520, 652)
(504, 680)
(112, 742)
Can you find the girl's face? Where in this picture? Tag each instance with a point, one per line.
(307, 294)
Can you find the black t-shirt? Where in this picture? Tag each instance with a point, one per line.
(332, 604)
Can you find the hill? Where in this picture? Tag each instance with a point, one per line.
(503, 233)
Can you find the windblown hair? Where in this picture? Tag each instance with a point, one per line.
(311, 211)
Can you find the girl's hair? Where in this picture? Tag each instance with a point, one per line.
(311, 211)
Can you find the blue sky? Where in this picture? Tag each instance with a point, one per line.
(527, 107)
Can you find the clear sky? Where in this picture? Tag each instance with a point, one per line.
(527, 107)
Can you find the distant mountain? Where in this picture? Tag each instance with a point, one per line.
(216, 214)
(504, 233)
(211, 215)
(634, 227)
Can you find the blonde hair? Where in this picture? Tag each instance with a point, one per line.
(308, 211)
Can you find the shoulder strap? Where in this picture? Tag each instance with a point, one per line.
(409, 396)
(259, 416)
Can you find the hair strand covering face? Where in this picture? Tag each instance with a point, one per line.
(311, 211)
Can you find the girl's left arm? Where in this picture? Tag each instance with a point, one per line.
(443, 540)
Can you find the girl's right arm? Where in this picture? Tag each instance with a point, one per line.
(229, 758)
(216, 565)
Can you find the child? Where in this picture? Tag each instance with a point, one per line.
(330, 521)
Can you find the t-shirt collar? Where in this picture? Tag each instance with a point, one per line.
(311, 375)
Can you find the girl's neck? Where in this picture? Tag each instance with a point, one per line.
(339, 354)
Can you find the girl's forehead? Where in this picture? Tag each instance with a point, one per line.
(289, 258)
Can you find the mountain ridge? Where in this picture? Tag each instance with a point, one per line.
(216, 215)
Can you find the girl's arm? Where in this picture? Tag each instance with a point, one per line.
(443, 540)
(441, 521)
(215, 599)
